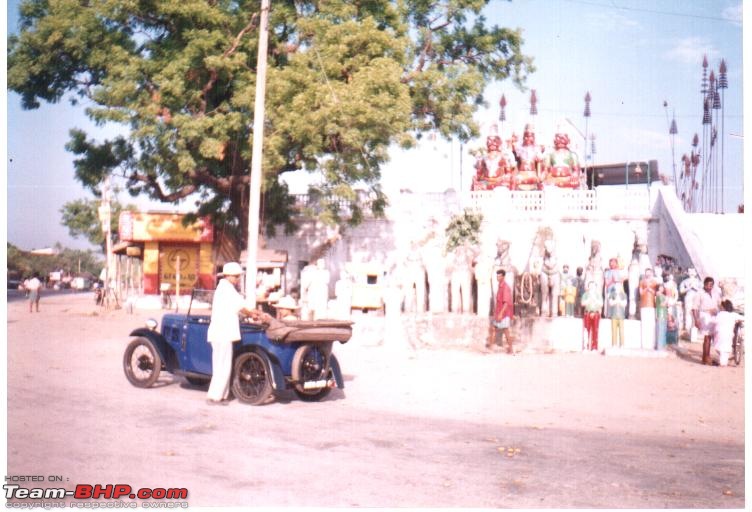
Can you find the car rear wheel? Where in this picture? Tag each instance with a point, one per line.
(309, 365)
(251, 382)
(142, 363)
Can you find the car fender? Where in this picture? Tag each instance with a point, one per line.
(279, 382)
(336, 371)
(165, 350)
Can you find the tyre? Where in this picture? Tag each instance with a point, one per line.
(738, 345)
(309, 365)
(251, 382)
(142, 363)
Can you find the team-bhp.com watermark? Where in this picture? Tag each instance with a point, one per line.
(20, 495)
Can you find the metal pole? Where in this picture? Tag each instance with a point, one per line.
(256, 157)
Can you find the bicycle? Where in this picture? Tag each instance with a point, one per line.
(737, 347)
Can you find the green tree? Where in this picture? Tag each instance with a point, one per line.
(463, 229)
(23, 263)
(346, 80)
(81, 217)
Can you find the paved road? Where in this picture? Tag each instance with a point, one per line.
(432, 428)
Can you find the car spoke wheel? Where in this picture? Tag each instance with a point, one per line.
(738, 344)
(142, 363)
(309, 365)
(251, 382)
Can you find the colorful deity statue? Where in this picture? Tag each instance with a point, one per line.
(495, 168)
(562, 167)
(529, 167)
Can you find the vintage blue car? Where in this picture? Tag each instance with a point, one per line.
(268, 359)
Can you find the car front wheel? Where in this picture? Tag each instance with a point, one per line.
(251, 382)
(142, 363)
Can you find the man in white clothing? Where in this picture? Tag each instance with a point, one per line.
(723, 341)
(224, 330)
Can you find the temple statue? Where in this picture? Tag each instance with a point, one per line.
(549, 280)
(436, 264)
(503, 261)
(562, 166)
(689, 287)
(494, 168)
(634, 274)
(612, 278)
(529, 163)
(318, 290)
(343, 292)
(414, 286)
(594, 269)
(461, 279)
(484, 278)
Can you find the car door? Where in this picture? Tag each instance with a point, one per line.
(196, 352)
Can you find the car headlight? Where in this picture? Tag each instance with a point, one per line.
(151, 324)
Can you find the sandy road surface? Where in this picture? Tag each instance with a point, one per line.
(425, 428)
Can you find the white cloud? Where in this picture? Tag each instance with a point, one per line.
(733, 14)
(691, 50)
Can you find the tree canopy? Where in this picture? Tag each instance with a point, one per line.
(81, 217)
(346, 80)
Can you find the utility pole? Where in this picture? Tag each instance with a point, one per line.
(256, 157)
(105, 214)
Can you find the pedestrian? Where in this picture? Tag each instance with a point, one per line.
(34, 287)
(592, 302)
(617, 311)
(224, 330)
(704, 311)
(647, 288)
(503, 313)
(724, 332)
(287, 309)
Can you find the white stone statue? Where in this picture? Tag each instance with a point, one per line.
(461, 279)
(550, 280)
(689, 287)
(633, 278)
(483, 270)
(306, 276)
(414, 285)
(317, 291)
(343, 292)
(437, 270)
(502, 261)
(594, 270)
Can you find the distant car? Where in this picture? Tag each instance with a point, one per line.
(297, 357)
(80, 283)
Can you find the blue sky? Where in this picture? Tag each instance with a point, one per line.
(630, 55)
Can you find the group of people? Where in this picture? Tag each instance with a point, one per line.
(526, 166)
(716, 321)
(654, 299)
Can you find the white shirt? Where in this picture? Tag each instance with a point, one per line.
(724, 330)
(33, 284)
(225, 324)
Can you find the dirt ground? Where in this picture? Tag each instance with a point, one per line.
(72, 413)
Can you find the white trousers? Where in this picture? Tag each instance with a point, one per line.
(219, 388)
(647, 326)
